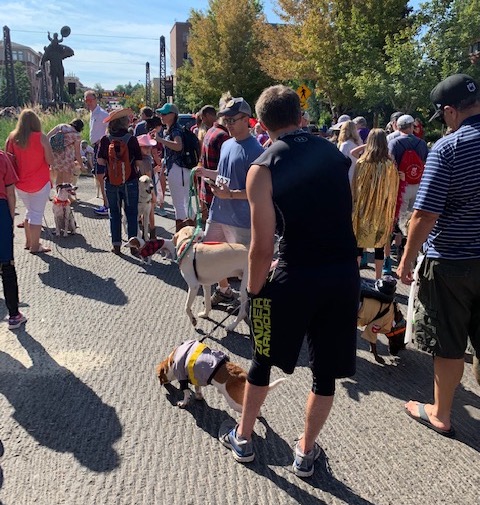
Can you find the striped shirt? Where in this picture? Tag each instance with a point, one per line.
(450, 187)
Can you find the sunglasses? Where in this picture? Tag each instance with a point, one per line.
(231, 120)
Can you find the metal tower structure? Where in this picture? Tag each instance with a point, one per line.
(163, 72)
(148, 87)
(11, 90)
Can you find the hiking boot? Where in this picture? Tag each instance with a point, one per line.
(387, 266)
(303, 464)
(101, 211)
(229, 297)
(15, 322)
(241, 448)
(476, 368)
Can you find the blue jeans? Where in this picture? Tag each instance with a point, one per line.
(126, 195)
(7, 267)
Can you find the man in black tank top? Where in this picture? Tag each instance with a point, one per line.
(298, 187)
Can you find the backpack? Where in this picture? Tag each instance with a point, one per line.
(57, 142)
(119, 165)
(191, 149)
(412, 166)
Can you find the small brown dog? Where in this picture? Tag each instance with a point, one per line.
(195, 363)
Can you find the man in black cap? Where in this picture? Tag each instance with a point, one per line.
(446, 220)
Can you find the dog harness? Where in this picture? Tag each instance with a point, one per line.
(195, 363)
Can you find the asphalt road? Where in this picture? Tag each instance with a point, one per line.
(83, 419)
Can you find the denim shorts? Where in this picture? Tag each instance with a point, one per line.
(448, 307)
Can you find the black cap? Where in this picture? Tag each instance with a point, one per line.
(451, 91)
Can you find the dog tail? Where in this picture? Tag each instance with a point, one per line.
(274, 384)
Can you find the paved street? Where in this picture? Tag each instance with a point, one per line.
(83, 419)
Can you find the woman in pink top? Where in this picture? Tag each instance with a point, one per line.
(33, 158)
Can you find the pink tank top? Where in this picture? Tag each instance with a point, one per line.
(33, 169)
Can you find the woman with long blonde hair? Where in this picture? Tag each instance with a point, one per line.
(349, 139)
(374, 191)
(33, 156)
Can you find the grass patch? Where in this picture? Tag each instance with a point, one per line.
(48, 120)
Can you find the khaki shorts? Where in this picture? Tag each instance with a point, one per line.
(448, 307)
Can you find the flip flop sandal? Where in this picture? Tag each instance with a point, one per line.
(423, 418)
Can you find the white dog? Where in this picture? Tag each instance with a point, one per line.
(62, 210)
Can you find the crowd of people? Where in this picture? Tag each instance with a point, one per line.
(277, 176)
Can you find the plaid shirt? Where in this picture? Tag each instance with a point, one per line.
(210, 155)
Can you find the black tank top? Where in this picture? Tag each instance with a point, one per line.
(312, 199)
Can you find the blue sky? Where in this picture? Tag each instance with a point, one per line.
(112, 40)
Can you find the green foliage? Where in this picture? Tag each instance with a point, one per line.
(22, 85)
(48, 120)
(224, 44)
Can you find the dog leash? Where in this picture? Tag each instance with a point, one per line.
(234, 311)
(198, 228)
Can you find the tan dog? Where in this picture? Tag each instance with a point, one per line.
(62, 210)
(145, 188)
(195, 363)
(203, 264)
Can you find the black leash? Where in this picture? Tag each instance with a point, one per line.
(233, 312)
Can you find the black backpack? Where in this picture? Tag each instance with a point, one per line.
(191, 149)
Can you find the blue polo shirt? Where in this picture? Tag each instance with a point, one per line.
(450, 186)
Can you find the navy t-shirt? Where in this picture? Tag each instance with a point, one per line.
(312, 199)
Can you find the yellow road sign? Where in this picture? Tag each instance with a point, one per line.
(303, 92)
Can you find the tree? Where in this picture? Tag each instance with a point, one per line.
(340, 44)
(223, 46)
(22, 86)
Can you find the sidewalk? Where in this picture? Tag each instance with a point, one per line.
(83, 419)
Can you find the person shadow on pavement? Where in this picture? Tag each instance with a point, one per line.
(59, 410)
(79, 281)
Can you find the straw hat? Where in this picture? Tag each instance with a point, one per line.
(117, 114)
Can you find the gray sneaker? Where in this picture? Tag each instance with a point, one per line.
(241, 448)
(229, 297)
(303, 464)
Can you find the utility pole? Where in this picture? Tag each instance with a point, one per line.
(148, 89)
(163, 72)
(11, 89)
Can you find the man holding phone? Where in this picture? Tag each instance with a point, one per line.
(229, 217)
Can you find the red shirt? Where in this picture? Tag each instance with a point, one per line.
(7, 175)
(33, 169)
(210, 155)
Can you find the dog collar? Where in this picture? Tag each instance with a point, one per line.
(64, 203)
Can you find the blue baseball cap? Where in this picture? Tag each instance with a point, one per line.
(167, 109)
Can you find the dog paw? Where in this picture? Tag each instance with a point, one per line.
(198, 396)
(183, 404)
(231, 326)
(203, 314)
(193, 321)
(379, 360)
